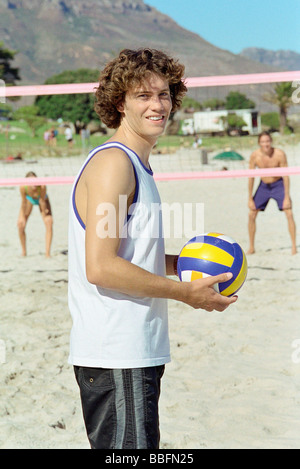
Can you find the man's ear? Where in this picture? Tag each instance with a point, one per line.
(120, 106)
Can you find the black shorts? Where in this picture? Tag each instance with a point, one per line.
(120, 406)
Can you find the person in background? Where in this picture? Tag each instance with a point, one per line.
(85, 138)
(69, 136)
(31, 196)
(270, 187)
(47, 136)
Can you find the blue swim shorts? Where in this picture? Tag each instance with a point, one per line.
(265, 192)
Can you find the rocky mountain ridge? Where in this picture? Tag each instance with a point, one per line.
(56, 35)
(283, 59)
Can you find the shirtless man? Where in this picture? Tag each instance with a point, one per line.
(30, 196)
(270, 187)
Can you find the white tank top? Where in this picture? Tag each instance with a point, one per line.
(112, 329)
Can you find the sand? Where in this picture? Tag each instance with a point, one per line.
(234, 379)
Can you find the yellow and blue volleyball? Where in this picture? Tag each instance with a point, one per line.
(213, 254)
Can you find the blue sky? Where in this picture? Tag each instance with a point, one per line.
(236, 24)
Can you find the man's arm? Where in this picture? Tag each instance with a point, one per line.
(286, 182)
(103, 265)
(252, 165)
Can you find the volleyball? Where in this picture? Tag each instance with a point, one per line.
(213, 254)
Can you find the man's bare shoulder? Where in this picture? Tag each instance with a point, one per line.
(255, 153)
(254, 157)
(280, 156)
(279, 152)
(109, 169)
(108, 160)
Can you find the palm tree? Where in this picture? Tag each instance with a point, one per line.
(282, 97)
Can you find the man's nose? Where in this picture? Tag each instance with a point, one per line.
(156, 102)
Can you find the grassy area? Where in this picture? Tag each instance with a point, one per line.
(221, 143)
(211, 143)
(19, 139)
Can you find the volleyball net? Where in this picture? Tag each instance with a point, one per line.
(203, 134)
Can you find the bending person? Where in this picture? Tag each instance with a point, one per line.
(35, 195)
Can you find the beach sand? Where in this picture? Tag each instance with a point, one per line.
(234, 379)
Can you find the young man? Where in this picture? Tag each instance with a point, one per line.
(118, 288)
(30, 196)
(69, 136)
(270, 187)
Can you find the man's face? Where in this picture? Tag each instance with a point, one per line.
(265, 143)
(147, 107)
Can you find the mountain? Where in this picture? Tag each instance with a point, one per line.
(283, 59)
(56, 35)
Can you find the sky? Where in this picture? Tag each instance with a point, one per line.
(236, 24)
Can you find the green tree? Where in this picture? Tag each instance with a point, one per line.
(236, 100)
(76, 108)
(190, 103)
(30, 115)
(214, 104)
(270, 120)
(281, 97)
(5, 110)
(233, 123)
(8, 73)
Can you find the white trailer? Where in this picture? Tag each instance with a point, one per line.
(214, 122)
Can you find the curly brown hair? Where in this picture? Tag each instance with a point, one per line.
(129, 69)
